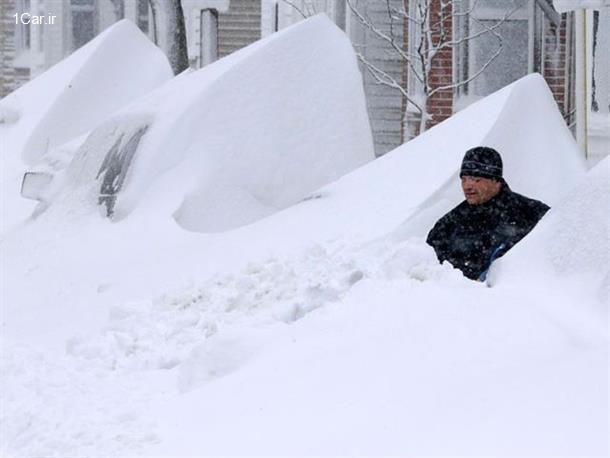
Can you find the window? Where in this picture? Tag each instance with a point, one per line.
(507, 41)
(508, 66)
(84, 26)
(600, 68)
(117, 162)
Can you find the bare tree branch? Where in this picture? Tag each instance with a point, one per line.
(404, 55)
(431, 33)
(169, 26)
(385, 79)
(298, 10)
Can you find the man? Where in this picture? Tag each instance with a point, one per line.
(489, 222)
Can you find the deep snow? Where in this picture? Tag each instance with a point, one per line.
(221, 151)
(327, 328)
(69, 100)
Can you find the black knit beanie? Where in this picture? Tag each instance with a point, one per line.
(482, 161)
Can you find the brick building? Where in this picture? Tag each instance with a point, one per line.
(534, 38)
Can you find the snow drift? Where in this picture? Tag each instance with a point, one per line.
(235, 141)
(562, 246)
(70, 99)
(74, 95)
(311, 331)
(541, 159)
(410, 187)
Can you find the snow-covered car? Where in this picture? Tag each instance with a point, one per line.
(237, 140)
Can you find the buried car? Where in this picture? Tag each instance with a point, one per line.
(235, 141)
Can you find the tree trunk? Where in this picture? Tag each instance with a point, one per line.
(169, 19)
(423, 120)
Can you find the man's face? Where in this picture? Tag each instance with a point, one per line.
(478, 190)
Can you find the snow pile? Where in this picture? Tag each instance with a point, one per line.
(240, 139)
(8, 115)
(187, 337)
(74, 95)
(412, 186)
(372, 350)
(561, 245)
(390, 364)
(319, 330)
(68, 100)
(162, 332)
(526, 139)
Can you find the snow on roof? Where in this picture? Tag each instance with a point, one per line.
(242, 138)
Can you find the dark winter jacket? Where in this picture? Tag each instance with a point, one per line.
(471, 236)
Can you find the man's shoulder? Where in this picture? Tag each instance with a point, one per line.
(454, 215)
(527, 204)
(455, 212)
(528, 201)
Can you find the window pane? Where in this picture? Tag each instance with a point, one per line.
(510, 65)
(118, 159)
(600, 87)
(83, 28)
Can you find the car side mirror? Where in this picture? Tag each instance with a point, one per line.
(35, 185)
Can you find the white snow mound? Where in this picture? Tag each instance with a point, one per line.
(143, 339)
(411, 187)
(238, 140)
(70, 98)
(541, 159)
(562, 244)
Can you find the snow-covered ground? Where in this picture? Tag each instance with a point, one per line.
(327, 328)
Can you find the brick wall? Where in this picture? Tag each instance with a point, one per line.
(554, 66)
(440, 105)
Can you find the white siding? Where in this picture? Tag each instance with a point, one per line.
(384, 103)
